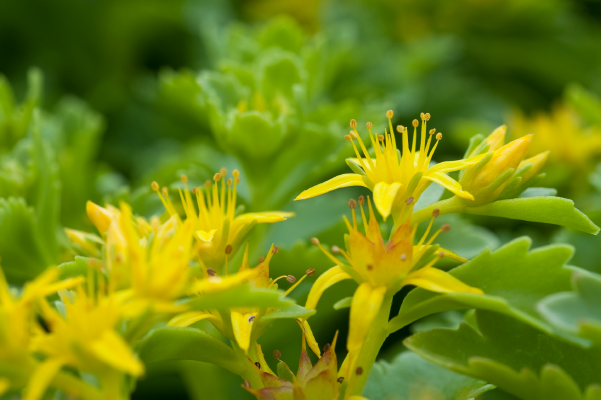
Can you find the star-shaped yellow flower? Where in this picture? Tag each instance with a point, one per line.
(395, 177)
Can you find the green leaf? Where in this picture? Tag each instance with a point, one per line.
(513, 279)
(171, 343)
(79, 267)
(344, 303)
(410, 377)
(538, 192)
(578, 312)
(513, 356)
(547, 209)
(22, 259)
(241, 296)
(431, 195)
(294, 311)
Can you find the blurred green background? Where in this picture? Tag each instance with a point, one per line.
(142, 90)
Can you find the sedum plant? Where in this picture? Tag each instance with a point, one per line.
(141, 291)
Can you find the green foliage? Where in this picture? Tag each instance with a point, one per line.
(410, 377)
(241, 296)
(513, 279)
(514, 356)
(577, 312)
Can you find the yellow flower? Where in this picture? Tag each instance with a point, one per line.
(396, 177)
(561, 131)
(382, 269)
(85, 338)
(312, 382)
(503, 172)
(215, 223)
(241, 325)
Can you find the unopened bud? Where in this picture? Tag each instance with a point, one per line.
(538, 162)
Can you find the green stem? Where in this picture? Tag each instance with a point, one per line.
(249, 373)
(453, 205)
(377, 334)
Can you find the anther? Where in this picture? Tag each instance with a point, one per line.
(335, 249)
(361, 200)
(291, 278)
(445, 228)
(229, 181)
(216, 177)
(326, 347)
(353, 123)
(258, 364)
(389, 114)
(236, 173)
(228, 249)
(315, 241)
(339, 380)
(422, 116)
(165, 191)
(223, 172)
(310, 272)
(403, 256)
(409, 200)
(237, 180)
(275, 250)
(438, 136)
(353, 134)
(251, 319)
(381, 138)
(277, 354)
(427, 116)
(436, 213)
(246, 384)
(359, 371)
(415, 123)
(211, 272)
(261, 259)
(348, 137)
(352, 204)
(370, 267)
(184, 178)
(194, 190)
(208, 183)
(441, 254)
(432, 131)
(154, 186)
(369, 125)
(400, 128)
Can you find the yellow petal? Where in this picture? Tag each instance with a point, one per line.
(311, 339)
(325, 280)
(538, 161)
(439, 281)
(262, 361)
(4, 385)
(449, 166)
(451, 184)
(384, 195)
(188, 318)
(112, 349)
(242, 326)
(214, 284)
(41, 377)
(267, 217)
(496, 138)
(340, 181)
(366, 304)
(205, 236)
(100, 216)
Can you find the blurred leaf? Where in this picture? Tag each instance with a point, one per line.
(547, 209)
(170, 343)
(410, 377)
(515, 357)
(78, 267)
(538, 192)
(431, 195)
(294, 311)
(241, 296)
(513, 279)
(578, 312)
(585, 102)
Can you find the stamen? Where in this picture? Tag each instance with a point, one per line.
(435, 213)
(310, 272)
(211, 272)
(389, 114)
(315, 241)
(353, 134)
(353, 123)
(348, 137)
(258, 365)
(369, 125)
(261, 259)
(339, 380)
(275, 280)
(223, 172)
(276, 249)
(217, 177)
(409, 200)
(251, 319)
(277, 354)
(228, 249)
(352, 205)
(246, 384)
(184, 178)
(365, 222)
(358, 371)
(445, 228)
(155, 186)
(291, 278)
(335, 249)
(326, 347)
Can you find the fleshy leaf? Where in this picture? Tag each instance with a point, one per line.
(513, 356)
(411, 377)
(578, 312)
(547, 209)
(512, 278)
(241, 296)
(294, 311)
